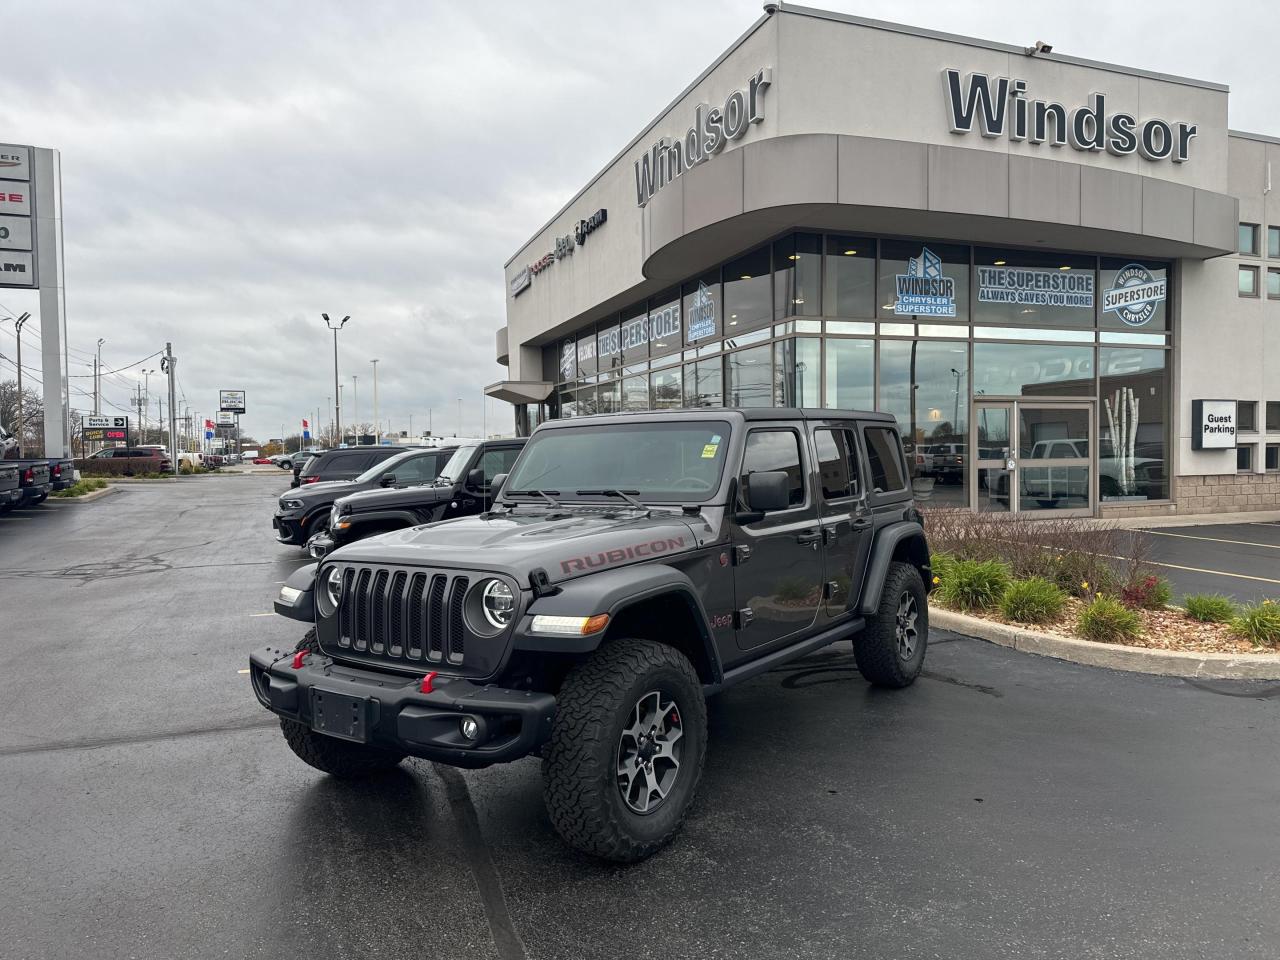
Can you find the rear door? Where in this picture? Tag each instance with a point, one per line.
(843, 514)
(777, 577)
(346, 466)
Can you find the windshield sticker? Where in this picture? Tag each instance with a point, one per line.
(709, 451)
(716, 438)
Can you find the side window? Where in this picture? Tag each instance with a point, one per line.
(769, 450)
(884, 459)
(837, 463)
(494, 462)
(413, 471)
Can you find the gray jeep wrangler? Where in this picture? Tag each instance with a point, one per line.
(631, 566)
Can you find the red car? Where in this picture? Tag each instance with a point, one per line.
(262, 460)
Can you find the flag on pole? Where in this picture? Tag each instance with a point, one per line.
(306, 431)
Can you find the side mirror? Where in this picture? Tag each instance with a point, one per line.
(768, 491)
(388, 480)
(496, 485)
(475, 478)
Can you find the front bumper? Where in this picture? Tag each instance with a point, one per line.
(321, 544)
(396, 715)
(289, 530)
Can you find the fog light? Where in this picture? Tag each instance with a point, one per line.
(470, 729)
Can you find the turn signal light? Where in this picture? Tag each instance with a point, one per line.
(569, 626)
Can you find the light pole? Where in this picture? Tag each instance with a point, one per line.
(97, 378)
(459, 433)
(377, 426)
(337, 390)
(355, 405)
(17, 328)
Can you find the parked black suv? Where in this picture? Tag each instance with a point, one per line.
(344, 463)
(632, 566)
(462, 489)
(303, 513)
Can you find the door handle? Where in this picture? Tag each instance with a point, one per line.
(861, 523)
(809, 536)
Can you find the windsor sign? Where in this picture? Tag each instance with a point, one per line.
(999, 108)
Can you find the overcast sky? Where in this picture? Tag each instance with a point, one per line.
(232, 169)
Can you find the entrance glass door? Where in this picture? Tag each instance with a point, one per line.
(1034, 457)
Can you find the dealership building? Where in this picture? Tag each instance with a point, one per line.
(1062, 277)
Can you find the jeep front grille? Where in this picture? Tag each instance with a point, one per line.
(402, 616)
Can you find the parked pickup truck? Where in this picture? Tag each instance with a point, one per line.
(463, 488)
(10, 491)
(632, 566)
(62, 472)
(33, 479)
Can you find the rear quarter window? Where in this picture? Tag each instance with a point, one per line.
(884, 460)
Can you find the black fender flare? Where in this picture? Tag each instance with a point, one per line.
(303, 606)
(886, 542)
(404, 517)
(612, 592)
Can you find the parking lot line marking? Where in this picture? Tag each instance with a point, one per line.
(243, 670)
(1216, 573)
(269, 614)
(1187, 536)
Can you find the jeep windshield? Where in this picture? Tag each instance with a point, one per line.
(678, 462)
(457, 466)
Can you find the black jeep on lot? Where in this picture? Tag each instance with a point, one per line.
(632, 565)
(462, 488)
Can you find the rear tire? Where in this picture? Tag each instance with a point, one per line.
(618, 778)
(890, 650)
(338, 758)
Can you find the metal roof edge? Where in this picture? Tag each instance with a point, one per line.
(1244, 135)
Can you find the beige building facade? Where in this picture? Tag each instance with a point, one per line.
(1062, 277)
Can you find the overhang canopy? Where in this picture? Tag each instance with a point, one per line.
(519, 391)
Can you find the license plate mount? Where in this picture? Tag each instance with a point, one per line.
(339, 715)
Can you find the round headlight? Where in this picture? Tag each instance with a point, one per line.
(333, 586)
(498, 603)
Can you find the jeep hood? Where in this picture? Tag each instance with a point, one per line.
(565, 544)
(325, 490)
(380, 498)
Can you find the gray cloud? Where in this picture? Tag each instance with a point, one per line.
(232, 170)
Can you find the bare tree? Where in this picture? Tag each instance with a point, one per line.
(30, 433)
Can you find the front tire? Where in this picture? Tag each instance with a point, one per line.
(338, 758)
(890, 650)
(626, 751)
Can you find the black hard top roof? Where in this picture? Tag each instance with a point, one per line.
(748, 414)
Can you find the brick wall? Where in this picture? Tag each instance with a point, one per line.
(1229, 493)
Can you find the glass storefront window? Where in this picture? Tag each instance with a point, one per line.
(608, 397)
(701, 307)
(635, 393)
(1030, 287)
(587, 352)
(850, 286)
(925, 385)
(1133, 424)
(633, 334)
(748, 293)
(1032, 370)
(797, 273)
(664, 388)
(608, 347)
(851, 373)
(1144, 307)
(750, 377)
(797, 372)
(586, 401)
(568, 360)
(920, 278)
(666, 335)
(568, 407)
(703, 384)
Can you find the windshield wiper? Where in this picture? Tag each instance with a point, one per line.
(627, 495)
(544, 494)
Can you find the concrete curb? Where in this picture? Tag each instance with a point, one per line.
(1166, 663)
(86, 497)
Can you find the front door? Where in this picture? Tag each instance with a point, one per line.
(777, 576)
(1033, 457)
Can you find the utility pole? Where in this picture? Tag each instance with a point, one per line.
(328, 402)
(355, 406)
(337, 392)
(459, 433)
(168, 363)
(17, 326)
(429, 427)
(97, 378)
(377, 425)
(411, 426)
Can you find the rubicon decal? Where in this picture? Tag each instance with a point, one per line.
(636, 551)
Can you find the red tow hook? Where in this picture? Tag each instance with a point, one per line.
(298, 658)
(427, 681)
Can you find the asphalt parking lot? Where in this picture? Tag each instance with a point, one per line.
(1005, 806)
(1240, 560)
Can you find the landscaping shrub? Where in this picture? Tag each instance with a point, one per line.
(974, 584)
(941, 565)
(1209, 608)
(1034, 600)
(1259, 622)
(81, 487)
(1147, 593)
(1107, 620)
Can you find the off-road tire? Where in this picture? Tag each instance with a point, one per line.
(580, 783)
(338, 758)
(876, 648)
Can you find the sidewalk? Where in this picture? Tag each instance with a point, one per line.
(1196, 520)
